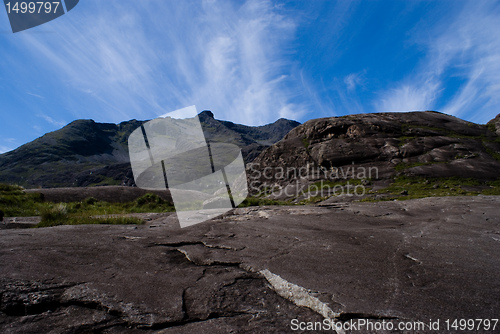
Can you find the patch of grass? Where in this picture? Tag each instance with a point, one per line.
(420, 187)
(79, 220)
(59, 215)
(406, 127)
(255, 201)
(495, 183)
(149, 198)
(327, 184)
(442, 131)
(90, 201)
(371, 199)
(14, 202)
(146, 203)
(495, 191)
(494, 188)
(7, 188)
(458, 135)
(54, 215)
(495, 155)
(491, 126)
(405, 140)
(306, 143)
(313, 200)
(465, 156)
(403, 165)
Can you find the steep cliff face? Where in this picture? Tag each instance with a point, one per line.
(427, 144)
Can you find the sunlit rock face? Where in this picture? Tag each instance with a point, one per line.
(428, 144)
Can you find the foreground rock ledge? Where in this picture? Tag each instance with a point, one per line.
(255, 269)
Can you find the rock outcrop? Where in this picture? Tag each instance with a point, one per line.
(494, 124)
(428, 144)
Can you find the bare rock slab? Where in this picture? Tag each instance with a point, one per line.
(255, 269)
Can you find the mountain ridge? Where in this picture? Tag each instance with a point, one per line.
(86, 153)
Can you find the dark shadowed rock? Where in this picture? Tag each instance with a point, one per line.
(494, 124)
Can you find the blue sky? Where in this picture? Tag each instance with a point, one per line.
(250, 62)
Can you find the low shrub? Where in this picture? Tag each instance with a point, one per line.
(254, 201)
(149, 198)
(80, 220)
(56, 215)
(90, 201)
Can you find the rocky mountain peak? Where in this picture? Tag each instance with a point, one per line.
(206, 114)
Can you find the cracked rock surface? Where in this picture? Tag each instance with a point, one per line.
(253, 270)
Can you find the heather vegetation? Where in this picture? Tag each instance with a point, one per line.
(14, 202)
(60, 215)
(405, 187)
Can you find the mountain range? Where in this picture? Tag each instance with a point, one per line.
(428, 144)
(87, 153)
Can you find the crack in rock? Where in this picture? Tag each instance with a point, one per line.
(408, 256)
(84, 295)
(193, 243)
(22, 298)
(304, 298)
(292, 292)
(207, 262)
(298, 295)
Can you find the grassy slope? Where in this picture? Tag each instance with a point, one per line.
(14, 202)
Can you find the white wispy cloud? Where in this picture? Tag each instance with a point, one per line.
(51, 120)
(464, 47)
(408, 97)
(220, 55)
(475, 50)
(352, 81)
(4, 149)
(8, 146)
(35, 95)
